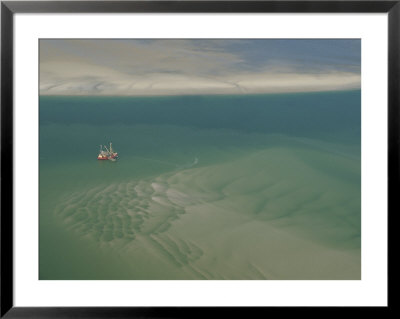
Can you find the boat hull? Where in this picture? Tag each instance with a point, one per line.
(104, 158)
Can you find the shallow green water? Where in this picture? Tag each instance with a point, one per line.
(206, 187)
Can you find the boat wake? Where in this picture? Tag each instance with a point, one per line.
(190, 165)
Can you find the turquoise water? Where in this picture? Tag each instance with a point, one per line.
(206, 187)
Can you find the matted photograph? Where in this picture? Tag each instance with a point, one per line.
(199, 159)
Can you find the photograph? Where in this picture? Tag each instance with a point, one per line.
(199, 159)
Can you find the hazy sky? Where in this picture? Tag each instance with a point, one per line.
(173, 67)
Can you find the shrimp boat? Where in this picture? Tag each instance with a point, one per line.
(107, 153)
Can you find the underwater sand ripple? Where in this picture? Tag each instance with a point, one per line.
(270, 189)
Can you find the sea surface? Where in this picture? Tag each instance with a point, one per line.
(206, 187)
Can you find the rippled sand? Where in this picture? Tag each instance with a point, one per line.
(276, 213)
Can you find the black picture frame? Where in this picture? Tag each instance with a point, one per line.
(9, 8)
